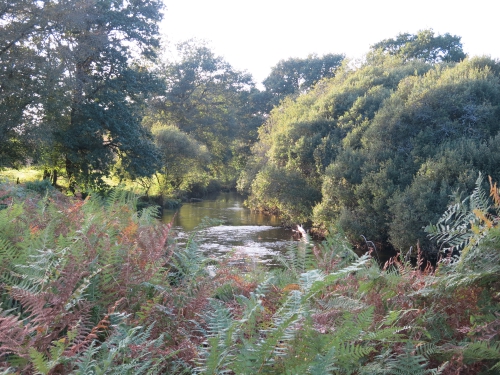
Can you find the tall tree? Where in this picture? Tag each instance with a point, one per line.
(212, 102)
(92, 87)
(22, 69)
(107, 91)
(424, 45)
(296, 76)
(181, 156)
(384, 145)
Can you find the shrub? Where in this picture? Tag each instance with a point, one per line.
(40, 186)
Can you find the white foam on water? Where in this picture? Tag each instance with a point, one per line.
(242, 241)
(241, 229)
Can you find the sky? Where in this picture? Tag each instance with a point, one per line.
(255, 35)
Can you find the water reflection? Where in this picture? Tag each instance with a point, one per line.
(249, 234)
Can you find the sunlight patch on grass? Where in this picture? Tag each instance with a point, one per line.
(23, 174)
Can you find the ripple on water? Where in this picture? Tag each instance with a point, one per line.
(241, 229)
(258, 242)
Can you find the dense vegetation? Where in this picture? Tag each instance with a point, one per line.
(95, 287)
(85, 97)
(390, 151)
(375, 148)
(379, 148)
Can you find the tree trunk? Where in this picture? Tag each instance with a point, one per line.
(54, 177)
(70, 174)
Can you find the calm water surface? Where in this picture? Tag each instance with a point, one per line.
(250, 235)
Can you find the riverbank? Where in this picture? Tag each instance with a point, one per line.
(89, 284)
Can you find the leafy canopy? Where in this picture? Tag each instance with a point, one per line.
(424, 45)
(74, 73)
(381, 147)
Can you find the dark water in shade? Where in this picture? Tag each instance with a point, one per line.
(251, 235)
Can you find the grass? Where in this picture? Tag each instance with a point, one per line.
(23, 174)
(31, 178)
(31, 174)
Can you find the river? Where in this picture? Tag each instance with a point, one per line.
(249, 234)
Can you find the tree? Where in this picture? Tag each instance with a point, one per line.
(424, 45)
(23, 72)
(384, 144)
(429, 138)
(296, 76)
(309, 133)
(180, 155)
(277, 190)
(107, 91)
(211, 102)
(92, 91)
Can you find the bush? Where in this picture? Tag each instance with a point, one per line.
(40, 186)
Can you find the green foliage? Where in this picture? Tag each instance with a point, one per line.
(39, 186)
(380, 148)
(405, 364)
(292, 340)
(84, 281)
(285, 192)
(296, 76)
(468, 232)
(464, 224)
(297, 259)
(74, 91)
(424, 45)
(119, 354)
(64, 265)
(212, 104)
(181, 156)
(24, 74)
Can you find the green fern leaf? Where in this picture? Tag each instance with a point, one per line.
(39, 361)
(324, 364)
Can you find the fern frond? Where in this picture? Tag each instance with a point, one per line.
(364, 318)
(275, 342)
(9, 224)
(40, 362)
(360, 264)
(392, 334)
(41, 269)
(218, 319)
(349, 356)
(324, 364)
(341, 303)
(297, 259)
(126, 351)
(13, 334)
(464, 224)
(427, 349)
(481, 350)
(7, 252)
(410, 363)
(307, 279)
(187, 263)
(494, 192)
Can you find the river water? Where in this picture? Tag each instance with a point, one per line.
(250, 235)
